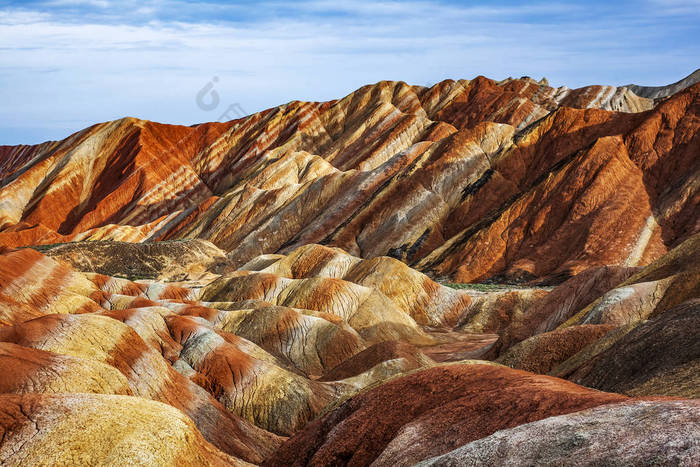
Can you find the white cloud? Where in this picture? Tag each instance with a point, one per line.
(79, 3)
(56, 69)
(14, 17)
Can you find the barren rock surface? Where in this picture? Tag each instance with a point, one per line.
(660, 356)
(616, 434)
(431, 412)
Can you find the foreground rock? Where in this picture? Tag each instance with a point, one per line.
(148, 374)
(631, 433)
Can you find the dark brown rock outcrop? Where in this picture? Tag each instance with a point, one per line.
(542, 352)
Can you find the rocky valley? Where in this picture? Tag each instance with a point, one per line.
(478, 272)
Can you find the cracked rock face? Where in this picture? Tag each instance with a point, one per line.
(49, 372)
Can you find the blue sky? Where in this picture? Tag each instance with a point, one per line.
(66, 64)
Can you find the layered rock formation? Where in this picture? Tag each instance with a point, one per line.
(170, 260)
(485, 179)
(239, 370)
(562, 303)
(660, 356)
(636, 337)
(542, 352)
(428, 303)
(292, 287)
(148, 374)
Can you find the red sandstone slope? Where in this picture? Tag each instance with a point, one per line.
(530, 173)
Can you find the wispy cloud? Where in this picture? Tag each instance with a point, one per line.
(677, 7)
(95, 60)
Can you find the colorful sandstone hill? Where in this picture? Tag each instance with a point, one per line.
(276, 290)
